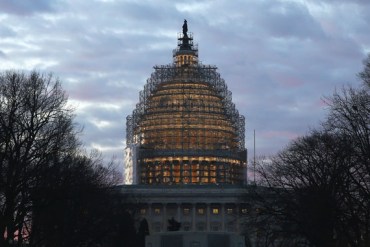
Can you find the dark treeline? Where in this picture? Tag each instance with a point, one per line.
(51, 192)
(321, 181)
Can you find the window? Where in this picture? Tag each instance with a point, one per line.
(195, 244)
(186, 211)
(142, 211)
(244, 210)
(186, 227)
(157, 227)
(201, 211)
(230, 227)
(215, 227)
(229, 211)
(215, 211)
(201, 227)
(157, 211)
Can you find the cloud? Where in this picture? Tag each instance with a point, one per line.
(289, 20)
(20, 7)
(2, 54)
(6, 32)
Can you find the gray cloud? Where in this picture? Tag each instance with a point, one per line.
(289, 20)
(6, 32)
(20, 7)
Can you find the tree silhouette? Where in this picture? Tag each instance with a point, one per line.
(51, 192)
(36, 130)
(319, 186)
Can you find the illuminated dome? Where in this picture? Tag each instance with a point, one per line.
(185, 129)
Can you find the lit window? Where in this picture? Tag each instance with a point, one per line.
(157, 211)
(215, 211)
(186, 211)
(229, 211)
(201, 211)
(166, 173)
(244, 210)
(142, 211)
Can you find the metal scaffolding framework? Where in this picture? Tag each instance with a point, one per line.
(185, 128)
(197, 75)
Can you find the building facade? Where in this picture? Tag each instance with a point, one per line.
(201, 208)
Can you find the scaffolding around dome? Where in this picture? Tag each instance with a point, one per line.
(185, 128)
(186, 112)
(167, 74)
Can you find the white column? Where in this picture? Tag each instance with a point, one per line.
(239, 215)
(208, 219)
(178, 212)
(193, 218)
(165, 217)
(223, 216)
(149, 218)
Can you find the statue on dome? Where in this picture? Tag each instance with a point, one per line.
(185, 28)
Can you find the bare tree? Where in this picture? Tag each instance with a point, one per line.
(308, 179)
(365, 74)
(36, 127)
(321, 182)
(75, 205)
(349, 116)
(51, 192)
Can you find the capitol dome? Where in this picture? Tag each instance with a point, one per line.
(185, 128)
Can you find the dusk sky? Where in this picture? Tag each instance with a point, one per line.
(278, 58)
